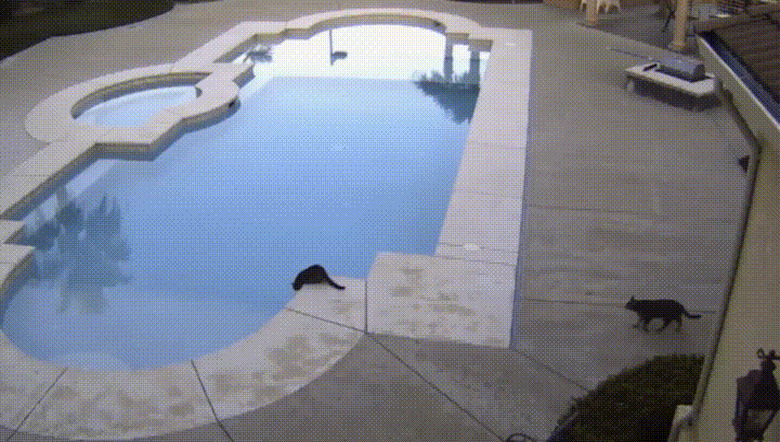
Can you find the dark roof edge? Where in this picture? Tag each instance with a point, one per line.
(745, 17)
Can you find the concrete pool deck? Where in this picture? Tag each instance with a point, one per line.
(621, 193)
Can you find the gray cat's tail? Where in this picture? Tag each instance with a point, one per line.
(685, 312)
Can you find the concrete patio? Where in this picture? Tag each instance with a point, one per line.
(624, 195)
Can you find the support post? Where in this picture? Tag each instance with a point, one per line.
(591, 13)
(680, 26)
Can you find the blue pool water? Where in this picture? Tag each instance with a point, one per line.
(155, 262)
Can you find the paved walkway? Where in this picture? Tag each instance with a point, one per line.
(624, 196)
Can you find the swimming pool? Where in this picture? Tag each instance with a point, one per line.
(463, 293)
(183, 255)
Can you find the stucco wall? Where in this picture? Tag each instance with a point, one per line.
(753, 317)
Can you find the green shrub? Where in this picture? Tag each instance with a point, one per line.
(638, 404)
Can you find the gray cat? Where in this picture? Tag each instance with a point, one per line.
(666, 309)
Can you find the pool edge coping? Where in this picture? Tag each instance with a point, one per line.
(509, 134)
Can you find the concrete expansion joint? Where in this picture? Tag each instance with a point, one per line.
(549, 369)
(465, 410)
(208, 400)
(573, 302)
(37, 404)
(329, 321)
(638, 213)
(473, 248)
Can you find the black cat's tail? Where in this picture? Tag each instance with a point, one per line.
(685, 312)
(333, 283)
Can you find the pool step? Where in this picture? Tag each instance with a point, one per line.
(14, 261)
(434, 297)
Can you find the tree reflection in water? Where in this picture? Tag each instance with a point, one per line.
(455, 96)
(90, 251)
(258, 54)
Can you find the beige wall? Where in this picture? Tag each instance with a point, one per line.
(753, 317)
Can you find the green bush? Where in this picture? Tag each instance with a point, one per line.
(636, 405)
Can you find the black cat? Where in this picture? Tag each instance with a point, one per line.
(666, 309)
(314, 275)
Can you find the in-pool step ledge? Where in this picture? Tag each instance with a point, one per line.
(11, 231)
(14, 261)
